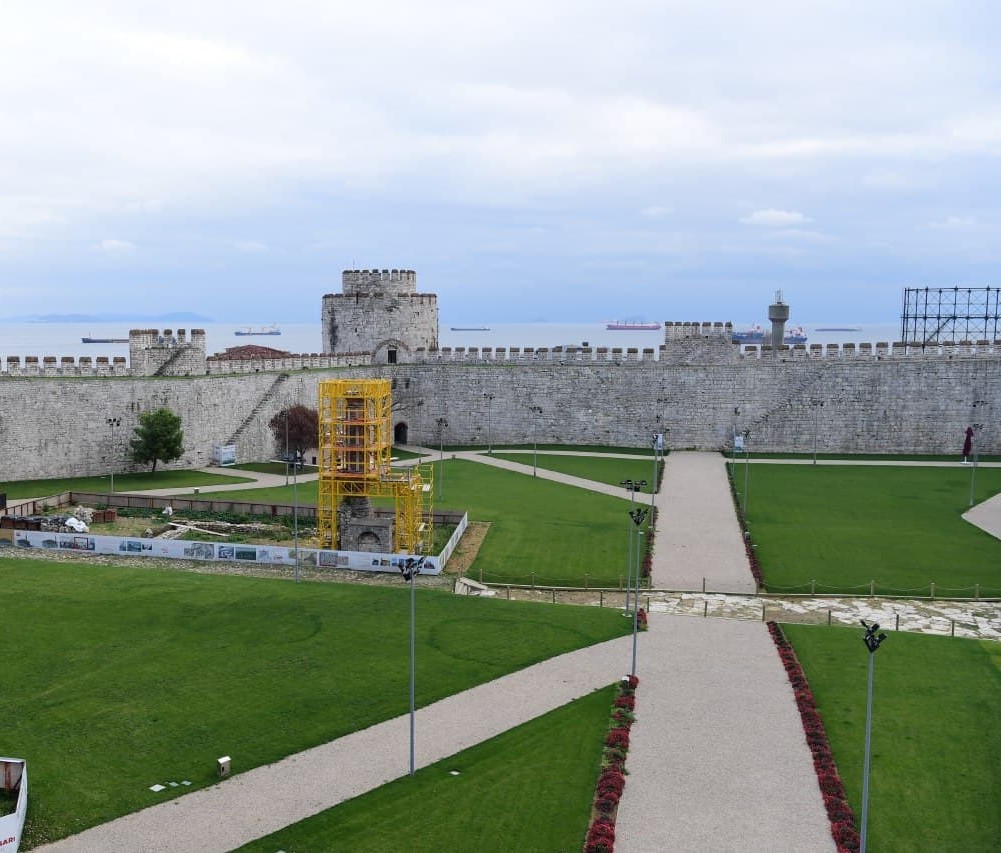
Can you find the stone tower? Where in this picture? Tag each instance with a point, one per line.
(380, 312)
(778, 313)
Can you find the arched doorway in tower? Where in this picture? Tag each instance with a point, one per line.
(400, 433)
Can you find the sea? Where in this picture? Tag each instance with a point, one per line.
(65, 339)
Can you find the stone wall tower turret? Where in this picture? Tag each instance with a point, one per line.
(380, 312)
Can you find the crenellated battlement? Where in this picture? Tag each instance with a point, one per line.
(374, 280)
(683, 331)
(218, 365)
(667, 353)
(879, 351)
(66, 365)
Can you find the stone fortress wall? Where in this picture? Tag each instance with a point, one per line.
(697, 389)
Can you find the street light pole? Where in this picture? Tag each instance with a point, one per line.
(872, 642)
(817, 406)
(113, 424)
(637, 515)
(536, 411)
(976, 453)
(747, 465)
(490, 399)
(410, 568)
(295, 512)
(442, 426)
(632, 486)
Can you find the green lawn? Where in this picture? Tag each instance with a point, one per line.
(18, 489)
(146, 675)
(847, 525)
(527, 789)
(571, 448)
(559, 533)
(604, 470)
(935, 781)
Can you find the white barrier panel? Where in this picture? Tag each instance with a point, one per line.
(176, 549)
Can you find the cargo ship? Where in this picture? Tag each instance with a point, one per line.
(263, 330)
(104, 340)
(13, 802)
(617, 326)
(757, 335)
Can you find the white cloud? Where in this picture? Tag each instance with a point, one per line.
(116, 247)
(656, 211)
(250, 246)
(954, 223)
(775, 218)
(802, 234)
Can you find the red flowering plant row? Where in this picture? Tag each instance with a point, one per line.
(752, 554)
(612, 780)
(647, 562)
(839, 813)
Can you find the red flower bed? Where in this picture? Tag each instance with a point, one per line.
(612, 780)
(839, 812)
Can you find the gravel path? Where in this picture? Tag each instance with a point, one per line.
(698, 536)
(717, 760)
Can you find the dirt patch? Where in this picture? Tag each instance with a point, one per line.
(469, 546)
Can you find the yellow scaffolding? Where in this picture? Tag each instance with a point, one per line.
(355, 453)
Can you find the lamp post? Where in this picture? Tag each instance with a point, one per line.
(410, 568)
(632, 486)
(442, 426)
(286, 447)
(733, 440)
(295, 512)
(295, 496)
(638, 515)
(872, 642)
(817, 406)
(747, 465)
(113, 424)
(489, 399)
(976, 453)
(536, 411)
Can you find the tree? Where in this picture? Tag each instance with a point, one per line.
(158, 436)
(303, 425)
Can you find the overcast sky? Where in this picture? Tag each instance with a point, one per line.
(531, 159)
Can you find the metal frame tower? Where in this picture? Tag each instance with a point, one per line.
(355, 449)
(935, 314)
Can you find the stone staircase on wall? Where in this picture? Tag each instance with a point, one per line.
(165, 368)
(266, 398)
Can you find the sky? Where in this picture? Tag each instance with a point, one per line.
(533, 161)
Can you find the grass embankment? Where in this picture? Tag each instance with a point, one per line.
(845, 526)
(146, 676)
(935, 782)
(527, 789)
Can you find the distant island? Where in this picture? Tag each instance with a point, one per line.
(172, 317)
